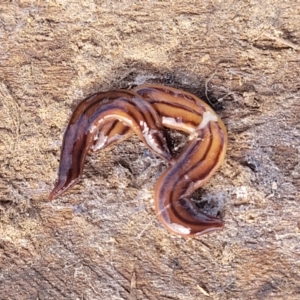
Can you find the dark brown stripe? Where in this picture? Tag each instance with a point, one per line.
(115, 122)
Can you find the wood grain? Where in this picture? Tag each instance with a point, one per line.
(102, 240)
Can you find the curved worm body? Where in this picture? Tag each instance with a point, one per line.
(108, 118)
(97, 112)
(198, 161)
(194, 167)
(177, 109)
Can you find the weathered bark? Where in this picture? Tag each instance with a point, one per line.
(101, 239)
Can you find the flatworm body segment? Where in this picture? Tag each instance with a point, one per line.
(96, 112)
(198, 161)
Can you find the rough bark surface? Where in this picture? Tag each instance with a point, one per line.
(101, 240)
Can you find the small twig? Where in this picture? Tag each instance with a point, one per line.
(202, 290)
(148, 224)
(282, 41)
(206, 85)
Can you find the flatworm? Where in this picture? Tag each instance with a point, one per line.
(104, 119)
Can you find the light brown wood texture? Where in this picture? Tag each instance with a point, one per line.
(101, 240)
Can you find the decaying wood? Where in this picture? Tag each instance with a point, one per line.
(101, 239)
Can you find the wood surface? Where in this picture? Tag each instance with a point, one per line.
(101, 239)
